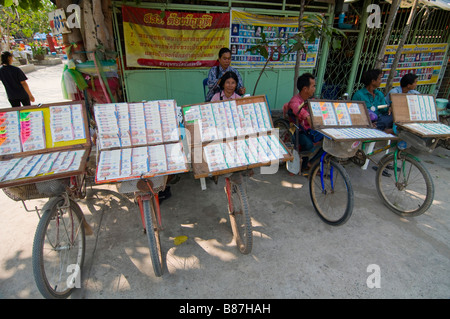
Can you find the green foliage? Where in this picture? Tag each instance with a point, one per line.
(26, 18)
(38, 50)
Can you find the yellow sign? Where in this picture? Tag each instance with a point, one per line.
(166, 39)
(424, 60)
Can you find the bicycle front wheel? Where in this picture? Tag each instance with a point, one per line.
(240, 220)
(331, 192)
(412, 193)
(152, 230)
(58, 249)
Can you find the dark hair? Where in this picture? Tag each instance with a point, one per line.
(304, 80)
(5, 57)
(223, 51)
(408, 79)
(227, 76)
(369, 76)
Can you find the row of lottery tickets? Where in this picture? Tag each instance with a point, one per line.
(421, 108)
(41, 164)
(23, 131)
(351, 133)
(225, 119)
(429, 128)
(132, 163)
(243, 152)
(136, 124)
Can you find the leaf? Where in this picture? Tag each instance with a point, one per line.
(8, 3)
(179, 240)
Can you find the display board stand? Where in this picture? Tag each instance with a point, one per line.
(418, 114)
(230, 136)
(344, 121)
(138, 140)
(41, 143)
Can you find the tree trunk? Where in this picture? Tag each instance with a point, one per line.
(400, 47)
(297, 61)
(90, 29)
(387, 32)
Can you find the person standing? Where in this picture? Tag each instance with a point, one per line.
(216, 72)
(15, 82)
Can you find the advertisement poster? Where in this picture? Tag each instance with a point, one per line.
(246, 28)
(166, 39)
(424, 60)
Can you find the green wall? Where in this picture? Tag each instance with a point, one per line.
(186, 86)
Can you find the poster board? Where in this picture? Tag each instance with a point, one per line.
(233, 135)
(417, 113)
(343, 120)
(246, 30)
(39, 143)
(424, 60)
(138, 140)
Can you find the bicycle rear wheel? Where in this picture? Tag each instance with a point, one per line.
(413, 192)
(331, 192)
(58, 249)
(240, 220)
(152, 231)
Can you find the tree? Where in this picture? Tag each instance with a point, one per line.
(22, 19)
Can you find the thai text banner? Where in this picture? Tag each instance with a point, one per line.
(424, 60)
(168, 39)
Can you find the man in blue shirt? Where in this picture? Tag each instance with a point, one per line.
(408, 84)
(374, 98)
(216, 72)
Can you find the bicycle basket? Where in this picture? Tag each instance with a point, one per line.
(342, 149)
(37, 190)
(418, 143)
(159, 184)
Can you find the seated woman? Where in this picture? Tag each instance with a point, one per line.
(227, 88)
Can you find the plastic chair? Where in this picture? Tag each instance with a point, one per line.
(205, 85)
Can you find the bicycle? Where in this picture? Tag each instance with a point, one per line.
(59, 243)
(145, 191)
(238, 210)
(409, 189)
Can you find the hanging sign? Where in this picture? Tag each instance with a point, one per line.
(169, 39)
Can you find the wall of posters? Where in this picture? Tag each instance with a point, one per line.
(158, 39)
(246, 28)
(425, 60)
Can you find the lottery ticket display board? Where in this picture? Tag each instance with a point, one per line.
(232, 135)
(344, 120)
(417, 113)
(39, 143)
(138, 140)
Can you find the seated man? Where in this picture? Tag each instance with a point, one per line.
(408, 84)
(374, 99)
(299, 114)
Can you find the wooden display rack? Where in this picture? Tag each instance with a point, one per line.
(407, 118)
(144, 126)
(83, 144)
(198, 157)
(338, 129)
